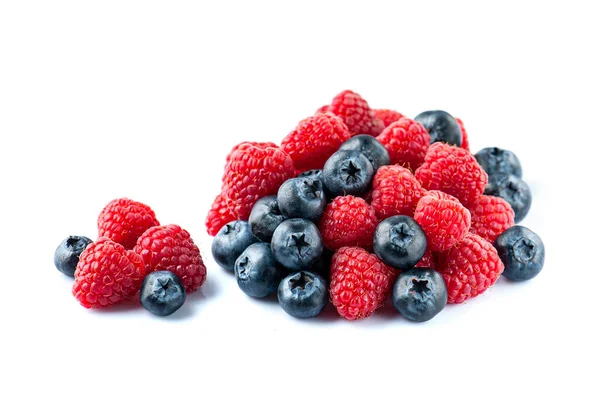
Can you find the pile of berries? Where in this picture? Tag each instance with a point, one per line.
(132, 255)
(356, 205)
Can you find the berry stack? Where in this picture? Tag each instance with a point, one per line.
(133, 255)
(357, 205)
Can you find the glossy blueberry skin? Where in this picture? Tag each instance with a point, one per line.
(315, 174)
(257, 272)
(522, 252)
(513, 190)
(67, 254)
(162, 293)
(370, 147)
(399, 241)
(302, 197)
(499, 161)
(230, 242)
(297, 244)
(303, 294)
(347, 173)
(419, 294)
(265, 217)
(442, 127)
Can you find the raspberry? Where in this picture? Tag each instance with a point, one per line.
(248, 144)
(170, 248)
(253, 173)
(443, 219)
(314, 140)
(428, 260)
(348, 221)
(323, 109)
(360, 282)
(406, 141)
(219, 215)
(491, 216)
(469, 268)
(354, 111)
(107, 274)
(124, 220)
(465, 138)
(454, 171)
(396, 191)
(387, 116)
(377, 127)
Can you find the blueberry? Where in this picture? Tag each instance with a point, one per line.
(162, 293)
(315, 174)
(303, 294)
(419, 294)
(67, 254)
(347, 173)
(513, 190)
(257, 272)
(499, 161)
(265, 217)
(370, 147)
(230, 242)
(400, 242)
(297, 244)
(442, 127)
(522, 252)
(301, 197)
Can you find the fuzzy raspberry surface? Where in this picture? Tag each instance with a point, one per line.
(123, 220)
(219, 214)
(348, 221)
(428, 260)
(465, 138)
(407, 142)
(490, 216)
(247, 144)
(396, 191)
(387, 116)
(354, 111)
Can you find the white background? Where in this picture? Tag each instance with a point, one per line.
(100, 100)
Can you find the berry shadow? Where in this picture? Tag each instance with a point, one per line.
(123, 307)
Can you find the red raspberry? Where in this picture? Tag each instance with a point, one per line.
(470, 268)
(170, 248)
(406, 141)
(219, 215)
(107, 274)
(314, 140)
(396, 191)
(323, 109)
(348, 221)
(377, 127)
(428, 260)
(387, 116)
(443, 219)
(465, 138)
(360, 282)
(248, 144)
(454, 171)
(491, 216)
(124, 220)
(253, 173)
(354, 111)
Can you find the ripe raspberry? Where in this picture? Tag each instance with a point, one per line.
(443, 219)
(396, 191)
(469, 268)
(323, 109)
(454, 171)
(124, 220)
(387, 116)
(248, 144)
(253, 173)
(406, 141)
(465, 138)
(491, 216)
(377, 127)
(107, 274)
(170, 248)
(314, 140)
(348, 221)
(428, 260)
(219, 215)
(354, 111)
(360, 282)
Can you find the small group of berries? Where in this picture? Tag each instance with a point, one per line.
(358, 204)
(132, 254)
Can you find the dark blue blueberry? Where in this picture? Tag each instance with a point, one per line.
(347, 173)
(370, 147)
(442, 127)
(265, 217)
(399, 241)
(230, 242)
(522, 252)
(301, 197)
(303, 294)
(419, 294)
(67, 254)
(257, 272)
(513, 190)
(315, 174)
(499, 161)
(162, 293)
(297, 244)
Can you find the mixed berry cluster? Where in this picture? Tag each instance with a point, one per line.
(132, 255)
(356, 205)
